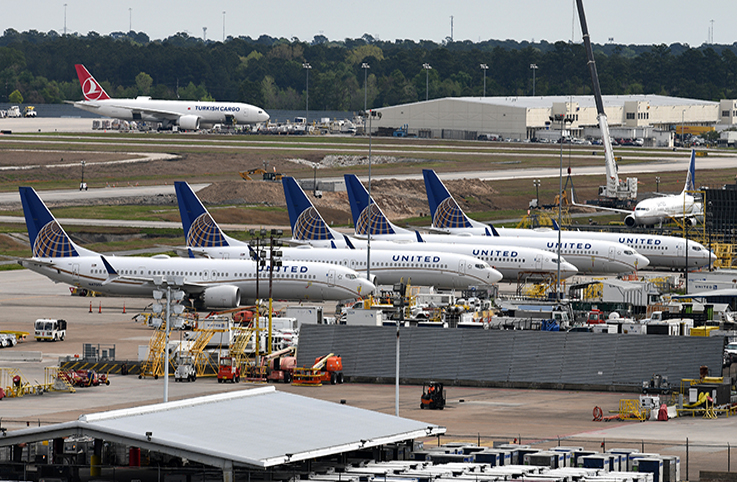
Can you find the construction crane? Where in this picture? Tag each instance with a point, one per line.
(616, 193)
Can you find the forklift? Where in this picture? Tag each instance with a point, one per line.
(433, 396)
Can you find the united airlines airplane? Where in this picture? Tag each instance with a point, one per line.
(427, 268)
(587, 255)
(661, 251)
(515, 263)
(186, 114)
(209, 283)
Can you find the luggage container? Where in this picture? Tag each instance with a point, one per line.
(545, 459)
(597, 461)
(652, 465)
(625, 453)
(671, 468)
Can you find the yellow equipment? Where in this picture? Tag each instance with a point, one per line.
(265, 175)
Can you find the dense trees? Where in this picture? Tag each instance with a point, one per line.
(269, 72)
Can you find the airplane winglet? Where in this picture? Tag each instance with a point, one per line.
(494, 232)
(555, 225)
(419, 237)
(332, 244)
(111, 273)
(189, 251)
(348, 242)
(253, 253)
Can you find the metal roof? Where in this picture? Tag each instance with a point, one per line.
(259, 427)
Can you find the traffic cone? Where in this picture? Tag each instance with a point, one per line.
(124, 307)
(99, 308)
(90, 307)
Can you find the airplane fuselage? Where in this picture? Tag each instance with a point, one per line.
(428, 268)
(662, 251)
(653, 211)
(137, 275)
(187, 114)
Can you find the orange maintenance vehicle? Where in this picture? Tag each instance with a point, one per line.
(328, 368)
(227, 371)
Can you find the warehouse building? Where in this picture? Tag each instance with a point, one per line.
(654, 118)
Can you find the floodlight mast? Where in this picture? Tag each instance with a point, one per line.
(615, 190)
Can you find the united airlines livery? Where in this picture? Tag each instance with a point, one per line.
(208, 283)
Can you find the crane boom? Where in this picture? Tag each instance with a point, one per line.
(615, 191)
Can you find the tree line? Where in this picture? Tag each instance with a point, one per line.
(272, 72)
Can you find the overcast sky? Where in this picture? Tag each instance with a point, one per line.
(626, 21)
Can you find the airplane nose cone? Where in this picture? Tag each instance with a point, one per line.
(641, 261)
(262, 116)
(494, 275)
(567, 270)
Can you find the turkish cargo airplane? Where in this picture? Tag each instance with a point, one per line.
(187, 114)
(662, 251)
(656, 210)
(589, 256)
(515, 263)
(442, 270)
(209, 283)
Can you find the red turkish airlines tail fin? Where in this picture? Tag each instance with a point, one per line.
(91, 89)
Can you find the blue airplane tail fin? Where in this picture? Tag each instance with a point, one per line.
(307, 224)
(444, 210)
(359, 199)
(48, 239)
(200, 230)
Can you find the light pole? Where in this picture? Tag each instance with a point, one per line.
(370, 115)
(259, 237)
(427, 68)
(223, 25)
(365, 68)
(130, 19)
(484, 67)
(307, 68)
(534, 68)
(563, 119)
(536, 183)
(274, 260)
(657, 183)
(65, 19)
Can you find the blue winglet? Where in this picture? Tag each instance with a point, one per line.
(348, 242)
(108, 266)
(555, 225)
(494, 232)
(419, 237)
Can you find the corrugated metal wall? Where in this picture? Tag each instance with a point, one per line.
(490, 357)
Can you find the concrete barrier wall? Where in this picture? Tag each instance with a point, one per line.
(511, 358)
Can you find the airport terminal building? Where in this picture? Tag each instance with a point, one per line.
(654, 118)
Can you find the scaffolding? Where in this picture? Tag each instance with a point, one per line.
(154, 364)
(15, 384)
(57, 380)
(197, 351)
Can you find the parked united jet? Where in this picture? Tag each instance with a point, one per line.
(208, 283)
(652, 211)
(514, 262)
(661, 251)
(186, 114)
(427, 268)
(587, 255)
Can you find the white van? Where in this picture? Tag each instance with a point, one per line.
(50, 330)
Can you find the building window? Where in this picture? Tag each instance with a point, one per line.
(630, 115)
(725, 113)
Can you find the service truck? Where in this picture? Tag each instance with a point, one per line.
(50, 330)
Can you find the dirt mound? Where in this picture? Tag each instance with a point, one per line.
(398, 198)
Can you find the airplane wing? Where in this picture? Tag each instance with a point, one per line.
(166, 114)
(600, 208)
(113, 275)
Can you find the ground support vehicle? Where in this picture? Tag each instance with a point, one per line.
(281, 365)
(185, 370)
(326, 369)
(84, 378)
(433, 396)
(228, 370)
(50, 330)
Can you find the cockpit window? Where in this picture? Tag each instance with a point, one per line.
(628, 252)
(351, 276)
(695, 248)
(482, 266)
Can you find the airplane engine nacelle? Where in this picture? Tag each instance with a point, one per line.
(629, 221)
(189, 122)
(693, 221)
(221, 297)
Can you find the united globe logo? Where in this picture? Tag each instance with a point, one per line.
(52, 242)
(378, 225)
(204, 233)
(449, 215)
(310, 226)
